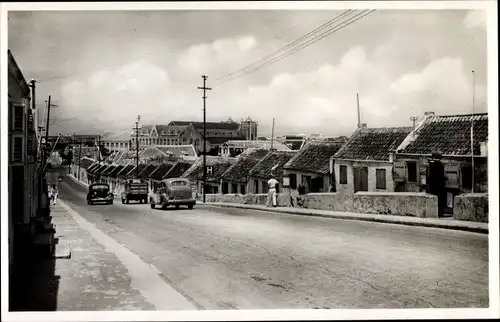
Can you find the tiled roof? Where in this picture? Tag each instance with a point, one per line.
(117, 169)
(239, 172)
(144, 174)
(314, 157)
(101, 169)
(372, 143)
(133, 172)
(273, 163)
(256, 144)
(221, 140)
(93, 168)
(86, 151)
(85, 163)
(161, 128)
(108, 170)
(161, 171)
(219, 166)
(209, 125)
(124, 171)
(255, 153)
(449, 135)
(178, 169)
(146, 128)
(178, 150)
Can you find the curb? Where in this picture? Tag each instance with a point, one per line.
(467, 226)
(84, 185)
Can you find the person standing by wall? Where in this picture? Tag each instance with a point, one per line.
(271, 195)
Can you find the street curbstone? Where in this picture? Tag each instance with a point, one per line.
(408, 221)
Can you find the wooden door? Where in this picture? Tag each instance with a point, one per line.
(360, 179)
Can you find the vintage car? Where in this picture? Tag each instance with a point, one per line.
(99, 192)
(173, 191)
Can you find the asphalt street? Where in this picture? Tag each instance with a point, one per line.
(225, 258)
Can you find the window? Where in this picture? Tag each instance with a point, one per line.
(264, 187)
(17, 149)
(343, 174)
(380, 179)
(466, 177)
(412, 171)
(18, 118)
(178, 183)
(242, 189)
(293, 180)
(234, 188)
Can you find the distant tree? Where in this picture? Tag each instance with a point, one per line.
(67, 157)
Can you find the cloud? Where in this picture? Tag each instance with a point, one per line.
(222, 55)
(475, 19)
(114, 95)
(324, 99)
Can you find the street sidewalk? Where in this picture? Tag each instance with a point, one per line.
(82, 276)
(445, 223)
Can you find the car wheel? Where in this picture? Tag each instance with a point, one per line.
(164, 206)
(126, 201)
(152, 205)
(177, 206)
(190, 206)
(111, 202)
(123, 201)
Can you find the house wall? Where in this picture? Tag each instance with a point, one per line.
(481, 172)
(301, 180)
(471, 207)
(262, 185)
(389, 203)
(372, 178)
(238, 190)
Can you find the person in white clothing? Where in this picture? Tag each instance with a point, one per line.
(271, 196)
(55, 194)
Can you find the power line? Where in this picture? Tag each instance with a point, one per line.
(328, 23)
(303, 46)
(337, 27)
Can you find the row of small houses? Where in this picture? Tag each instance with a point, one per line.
(373, 159)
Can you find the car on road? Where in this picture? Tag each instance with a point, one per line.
(135, 190)
(99, 193)
(173, 192)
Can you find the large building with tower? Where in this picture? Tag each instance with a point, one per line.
(191, 133)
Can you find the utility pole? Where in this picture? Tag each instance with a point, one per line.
(414, 119)
(272, 136)
(359, 115)
(137, 146)
(472, 128)
(99, 158)
(204, 88)
(79, 159)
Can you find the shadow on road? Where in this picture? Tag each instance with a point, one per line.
(33, 285)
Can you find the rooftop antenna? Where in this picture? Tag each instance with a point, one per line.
(413, 119)
(472, 128)
(359, 115)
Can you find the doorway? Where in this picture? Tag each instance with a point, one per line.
(360, 178)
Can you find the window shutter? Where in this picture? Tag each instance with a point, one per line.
(17, 146)
(399, 172)
(18, 118)
(452, 178)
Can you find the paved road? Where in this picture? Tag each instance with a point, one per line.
(222, 258)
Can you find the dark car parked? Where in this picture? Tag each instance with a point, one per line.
(99, 192)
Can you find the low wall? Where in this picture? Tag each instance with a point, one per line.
(471, 207)
(415, 204)
(403, 204)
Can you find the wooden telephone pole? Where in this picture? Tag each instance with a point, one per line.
(272, 136)
(137, 146)
(204, 88)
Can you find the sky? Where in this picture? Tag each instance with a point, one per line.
(103, 68)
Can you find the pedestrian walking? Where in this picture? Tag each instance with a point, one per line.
(271, 195)
(55, 194)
